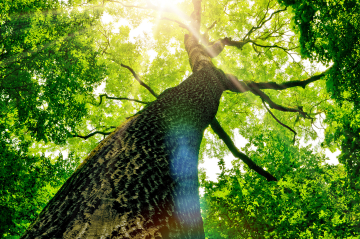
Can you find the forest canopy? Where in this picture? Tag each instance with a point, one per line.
(72, 71)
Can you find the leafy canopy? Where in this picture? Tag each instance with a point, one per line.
(53, 54)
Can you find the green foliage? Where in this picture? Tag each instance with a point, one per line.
(329, 33)
(310, 201)
(48, 66)
(345, 134)
(27, 183)
(53, 54)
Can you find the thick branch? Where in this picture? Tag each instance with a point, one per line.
(280, 121)
(241, 86)
(285, 85)
(273, 105)
(227, 140)
(140, 81)
(237, 44)
(120, 98)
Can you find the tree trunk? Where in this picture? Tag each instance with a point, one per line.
(142, 180)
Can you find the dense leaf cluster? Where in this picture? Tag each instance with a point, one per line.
(312, 200)
(330, 33)
(48, 66)
(27, 183)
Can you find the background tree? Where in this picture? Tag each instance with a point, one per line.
(47, 66)
(262, 47)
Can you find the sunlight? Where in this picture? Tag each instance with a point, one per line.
(170, 6)
(165, 3)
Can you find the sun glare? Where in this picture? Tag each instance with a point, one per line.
(165, 3)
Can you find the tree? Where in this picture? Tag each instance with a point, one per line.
(142, 180)
(47, 65)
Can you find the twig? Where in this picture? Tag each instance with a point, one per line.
(212, 25)
(92, 134)
(138, 79)
(280, 121)
(120, 98)
(229, 143)
(262, 22)
(272, 46)
(135, 75)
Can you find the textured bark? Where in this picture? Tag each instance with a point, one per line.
(142, 180)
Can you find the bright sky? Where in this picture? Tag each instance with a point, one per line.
(211, 164)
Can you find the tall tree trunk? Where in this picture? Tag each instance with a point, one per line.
(142, 180)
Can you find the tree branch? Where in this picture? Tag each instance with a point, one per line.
(120, 98)
(138, 79)
(237, 44)
(272, 46)
(241, 86)
(273, 105)
(227, 140)
(289, 84)
(280, 121)
(92, 134)
(262, 22)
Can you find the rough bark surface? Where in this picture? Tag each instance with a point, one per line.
(142, 180)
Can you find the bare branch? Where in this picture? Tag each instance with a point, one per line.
(241, 86)
(107, 40)
(273, 105)
(280, 121)
(120, 98)
(227, 140)
(317, 104)
(272, 46)
(138, 79)
(212, 25)
(262, 22)
(237, 44)
(92, 134)
(285, 85)
(136, 76)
